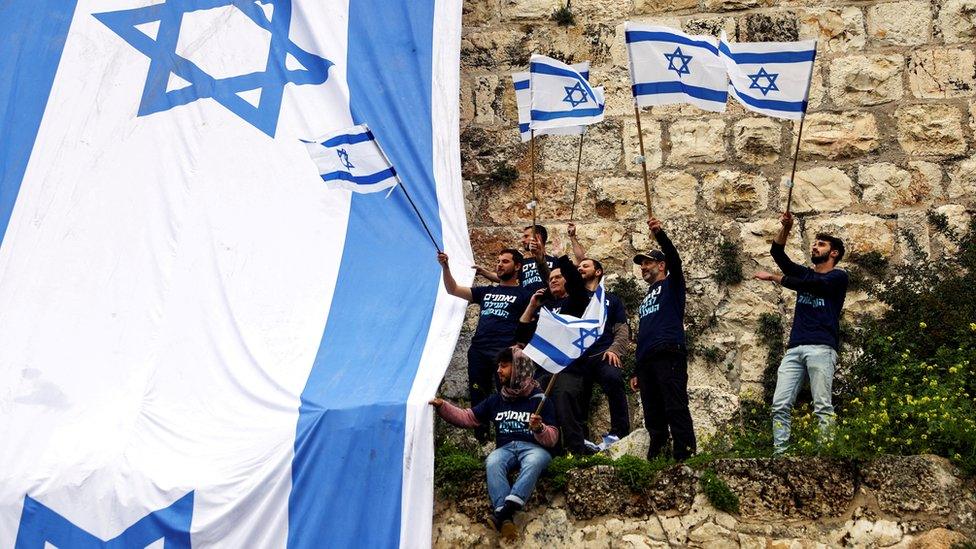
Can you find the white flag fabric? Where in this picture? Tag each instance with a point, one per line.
(523, 100)
(200, 344)
(771, 78)
(352, 159)
(561, 96)
(560, 339)
(668, 66)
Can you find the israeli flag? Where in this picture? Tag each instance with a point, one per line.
(523, 100)
(561, 96)
(200, 344)
(560, 339)
(352, 159)
(771, 78)
(668, 66)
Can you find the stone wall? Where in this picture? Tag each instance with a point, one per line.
(888, 139)
(899, 502)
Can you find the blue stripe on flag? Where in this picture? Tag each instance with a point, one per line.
(521, 84)
(653, 88)
(348, 139)
(750, 58)
(37, 31)
(550, 351)
(552, 115)
(347, 471)
(542, 68)
(359, 179)
(772, 104)
(650, 36)
(523, 128)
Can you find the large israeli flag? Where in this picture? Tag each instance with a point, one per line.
(201, 344)
(668, 66)
(523, 101)
(561, 96)
(560, 339)
(352, 159)
(771, 78)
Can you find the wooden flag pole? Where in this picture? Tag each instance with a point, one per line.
(640, 140)
(579, 162)
(552, 382)
(535, 203)
(420, 217)
(799, 133)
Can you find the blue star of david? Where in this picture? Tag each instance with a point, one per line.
(165, 61)
(344, 159)
(682, 59)
(571, 94)
(584, 333)
(770, 78)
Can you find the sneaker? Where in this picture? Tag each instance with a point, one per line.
(608, 441)
(509, 531)
(591, 446)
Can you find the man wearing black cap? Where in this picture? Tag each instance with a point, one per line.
(662, 360)
(815, 336)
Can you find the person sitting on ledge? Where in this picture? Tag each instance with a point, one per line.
(522, 437)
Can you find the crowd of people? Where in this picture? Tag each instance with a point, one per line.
(505, 385)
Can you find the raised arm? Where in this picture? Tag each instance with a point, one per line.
(671, 257)
(450, 284)
(578, 250)
(778, 248)
(538, 252)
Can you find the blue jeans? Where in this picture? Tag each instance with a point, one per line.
(531, 460)
(818, 361)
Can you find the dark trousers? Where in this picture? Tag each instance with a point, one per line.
(482, 371)
(611, 380)
(567, 396)
(663, 379)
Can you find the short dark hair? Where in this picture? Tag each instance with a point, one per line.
(835, 244)
(539, 230)
(516, 255)
(596, 264)
(505, 355)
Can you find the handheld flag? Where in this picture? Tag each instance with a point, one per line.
(523, 99)
(561, 339)
(351, 159)
(561, 96)
(668, 66)
(771, 78)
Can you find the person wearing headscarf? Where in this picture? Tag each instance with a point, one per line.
(522, 437)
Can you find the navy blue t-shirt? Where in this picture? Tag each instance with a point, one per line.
(511, 417)
(819, 300)
(529, 276)
(616, 314)
(662, 312)
(501, 307)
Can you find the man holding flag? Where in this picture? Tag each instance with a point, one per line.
(662, 360)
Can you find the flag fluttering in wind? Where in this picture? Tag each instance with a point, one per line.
(668, 66)
(771, 78)
(523, 99)
(352, 159)
(561, 96)
(560, 339)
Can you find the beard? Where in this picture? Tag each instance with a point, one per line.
(818, 259)
(505, 277)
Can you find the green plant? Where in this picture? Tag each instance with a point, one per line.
(563, 16)
(729, 267)
(770, 332)
(629, 292)
(865, 270)
(504, 173)
(561, 465)
(635, 472)
(718, 492)
(453, 468)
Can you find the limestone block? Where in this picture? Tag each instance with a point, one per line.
(466, 101)
(711, 26)
(889, 186)
(758, 140)
(663, 6)
(527, 9)
(818, 91)
(927, 175)
(507, 204)
(747, 303)
(651, 129)
(494, 48)
(635, 444)
(836, 29)
(710, 534)
(942, 73)
(838, 135)
(864, 533)
(866, 79)
(752, 357)
(957, 21)
(697, 141)
(770, 27)
(735, 193)
(624, 195)
(674, 193)
(937, 538)
(913, 236)
(819, 190)
(962, 180)
(861, 233)
(608, 241)
(900, 23)
(487, 91)
(616, 90)
(618, 48)
(930, 130)
(732, 5)
(958, 217)
(756, 237)
(601, 149)
(711, 408)
(476, 13)
(601, 10)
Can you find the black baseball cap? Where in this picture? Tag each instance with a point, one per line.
(653, 255)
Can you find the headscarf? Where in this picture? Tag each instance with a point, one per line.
(521, 383)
